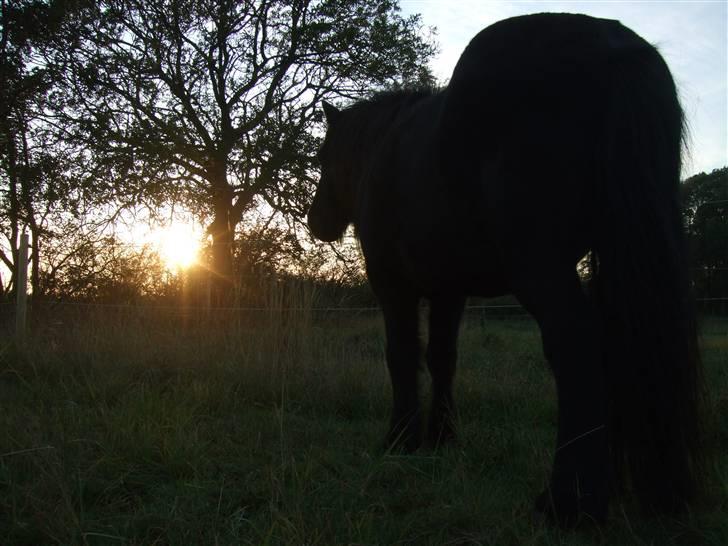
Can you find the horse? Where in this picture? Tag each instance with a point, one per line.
(558, 136)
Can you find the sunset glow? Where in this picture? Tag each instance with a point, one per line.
(179, 245)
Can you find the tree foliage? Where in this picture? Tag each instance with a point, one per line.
(38, 190)
(705, 202)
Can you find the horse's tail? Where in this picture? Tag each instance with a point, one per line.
(641, 280)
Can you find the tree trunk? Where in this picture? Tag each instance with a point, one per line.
(222, 258)
(222, 231)
(228, 212)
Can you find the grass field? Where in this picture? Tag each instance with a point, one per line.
(126, 430)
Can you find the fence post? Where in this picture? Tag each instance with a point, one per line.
(21, 288)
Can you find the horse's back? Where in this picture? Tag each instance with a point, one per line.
(528, 72)
(541, 49)
(541, 35)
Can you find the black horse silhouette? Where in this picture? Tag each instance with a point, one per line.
(557, 135)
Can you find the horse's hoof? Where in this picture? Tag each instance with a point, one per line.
(401, 440)
(440, 436)
(569, 511)
(400, 446)
(405, 433)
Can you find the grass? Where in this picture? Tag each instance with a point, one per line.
(129, 430)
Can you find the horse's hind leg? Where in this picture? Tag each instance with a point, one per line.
(445, 315)
(403, 361)
(570, 333)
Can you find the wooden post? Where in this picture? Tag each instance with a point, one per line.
(21, 288)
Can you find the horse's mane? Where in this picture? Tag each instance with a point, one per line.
(371, 116)
(398, 97)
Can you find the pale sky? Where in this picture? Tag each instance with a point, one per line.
(692, 36)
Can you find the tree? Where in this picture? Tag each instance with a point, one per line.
(34, 168)
(214, 103)
(705, 204)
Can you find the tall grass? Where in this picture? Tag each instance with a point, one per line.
(141, 426)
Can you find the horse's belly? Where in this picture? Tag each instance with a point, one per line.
(466, 262)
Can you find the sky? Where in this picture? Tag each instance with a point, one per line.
(692, 36)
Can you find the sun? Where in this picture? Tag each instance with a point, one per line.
(179, 245)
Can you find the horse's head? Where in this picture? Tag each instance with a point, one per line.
(332, 208)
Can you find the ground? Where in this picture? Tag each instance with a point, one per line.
(139, 428)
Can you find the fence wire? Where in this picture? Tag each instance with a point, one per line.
(142, 307)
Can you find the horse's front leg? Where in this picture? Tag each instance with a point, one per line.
(571, 340)
(445, 315)
(403, 361)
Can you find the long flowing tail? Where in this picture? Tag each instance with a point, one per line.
(652, 361)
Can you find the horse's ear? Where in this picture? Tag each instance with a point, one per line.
(332, 113)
